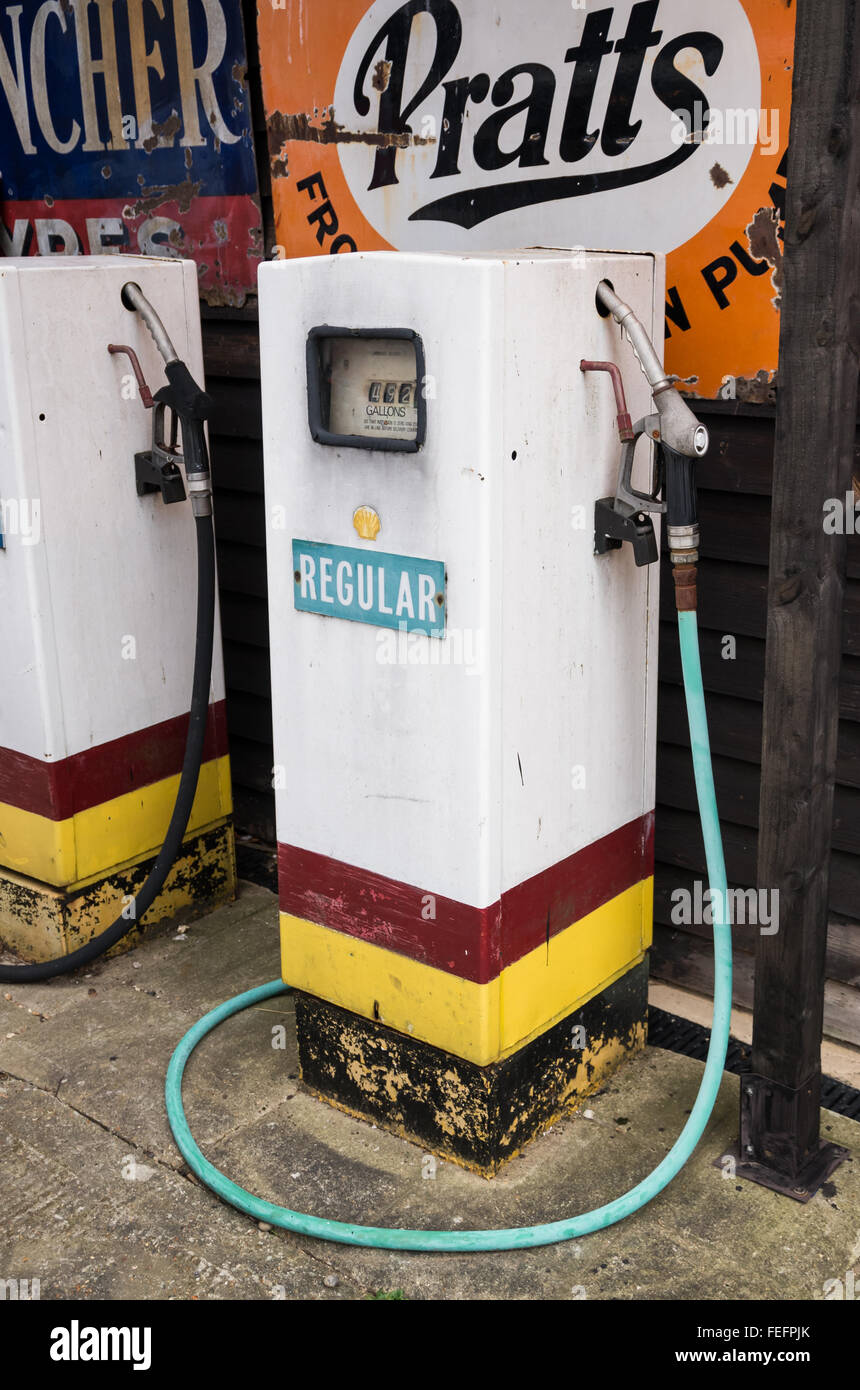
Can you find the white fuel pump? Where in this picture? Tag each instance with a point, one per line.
(447, 891)
(102, 770)
(463, 697)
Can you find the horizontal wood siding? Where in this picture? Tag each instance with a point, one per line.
(734, 512)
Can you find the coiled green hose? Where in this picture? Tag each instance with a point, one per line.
(522, 1237)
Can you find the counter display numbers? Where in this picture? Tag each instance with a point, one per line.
(363, 388)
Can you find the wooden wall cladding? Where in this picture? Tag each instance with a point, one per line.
(734, 512)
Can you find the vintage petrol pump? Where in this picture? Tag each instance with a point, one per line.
(462, 591)
(464, 695)
(98, 579)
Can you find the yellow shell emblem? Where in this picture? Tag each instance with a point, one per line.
(366, 522)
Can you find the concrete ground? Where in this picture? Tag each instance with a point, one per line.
(97, 1202)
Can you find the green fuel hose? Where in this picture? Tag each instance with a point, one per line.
(521, 1237)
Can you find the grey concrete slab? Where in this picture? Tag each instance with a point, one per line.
(106, 1050)
(100, 1204)
(92, 1218)
(18, 1003)
(707, 1236)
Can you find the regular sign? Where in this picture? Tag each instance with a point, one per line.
(363, 586)
(125, 125)
(488, 124)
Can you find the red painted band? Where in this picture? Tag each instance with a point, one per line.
(475, 943)
(59, 790)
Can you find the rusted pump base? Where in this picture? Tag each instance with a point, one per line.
(476, 1116)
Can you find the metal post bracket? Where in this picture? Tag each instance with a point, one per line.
(779, 1143)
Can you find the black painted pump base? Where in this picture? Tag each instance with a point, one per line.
(780, 1146)
(477, 1116)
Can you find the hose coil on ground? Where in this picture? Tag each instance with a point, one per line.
(523, 1237)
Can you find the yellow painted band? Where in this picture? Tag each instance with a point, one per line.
(74, 852)
(41, 922)
(479, 1022)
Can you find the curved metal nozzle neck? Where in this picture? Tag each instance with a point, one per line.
(680, 430)
(134, 299)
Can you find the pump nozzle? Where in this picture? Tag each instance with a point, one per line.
(680, 430)
(188, 401)
(681, 439)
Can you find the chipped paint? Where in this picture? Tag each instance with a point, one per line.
(282, 128)
(756, 391)
(163, 133)
(477, 1117)
(763, 240)
(382, 75)
(40, 922)
(719, 176)
(183, 194)
(225, 296)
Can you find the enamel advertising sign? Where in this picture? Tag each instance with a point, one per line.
(491, 124)
(386, 590)
(125, 126)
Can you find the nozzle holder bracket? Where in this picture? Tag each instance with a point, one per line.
(157, 469)
(615, 522)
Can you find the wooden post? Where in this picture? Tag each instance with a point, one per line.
(780, 1144)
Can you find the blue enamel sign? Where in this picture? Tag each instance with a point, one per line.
(365, 586)
(126, 125)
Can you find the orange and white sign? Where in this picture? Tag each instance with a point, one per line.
(489, 124)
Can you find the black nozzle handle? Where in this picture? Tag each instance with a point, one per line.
(188, 400)
(192, 407)
(679, 486)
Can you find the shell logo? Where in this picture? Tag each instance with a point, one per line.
(366, 522)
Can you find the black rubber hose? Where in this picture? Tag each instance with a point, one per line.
(150, 889)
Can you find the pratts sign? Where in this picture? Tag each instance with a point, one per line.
(481, 124)
(125, 126)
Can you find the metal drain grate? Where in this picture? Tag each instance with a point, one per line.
(691, 1040)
